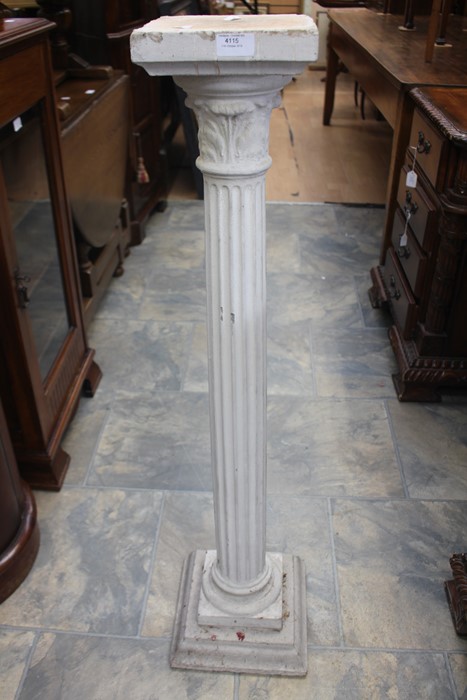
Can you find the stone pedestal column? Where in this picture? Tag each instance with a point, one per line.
(240, 608)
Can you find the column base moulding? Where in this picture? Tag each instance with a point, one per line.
(456, 592)
(236, 648)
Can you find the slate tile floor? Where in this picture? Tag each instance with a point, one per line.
(371, 493)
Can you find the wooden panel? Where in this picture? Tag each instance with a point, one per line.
(424, 216)
(429, 146)
(27, 73)
(94, 157)
(411, 258)
(403, 306)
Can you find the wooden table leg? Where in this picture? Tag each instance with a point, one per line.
(331, 75)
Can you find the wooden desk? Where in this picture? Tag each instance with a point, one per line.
(388, 63)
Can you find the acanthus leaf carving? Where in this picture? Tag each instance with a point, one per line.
(234, 132)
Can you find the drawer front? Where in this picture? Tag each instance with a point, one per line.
(429, 145)
(403, 307)
(411, 257)
(423, 219)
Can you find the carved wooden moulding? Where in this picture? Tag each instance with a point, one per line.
(456, 592)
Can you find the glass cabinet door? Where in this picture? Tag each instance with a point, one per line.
(37, 274)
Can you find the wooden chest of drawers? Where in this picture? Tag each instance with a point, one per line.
(424, 277)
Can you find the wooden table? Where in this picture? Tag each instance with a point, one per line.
(388, 63)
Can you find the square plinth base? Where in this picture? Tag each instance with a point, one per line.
(241, 650)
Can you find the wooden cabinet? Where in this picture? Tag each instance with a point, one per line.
(19, 532)
(423, 280)
(45, 362)
(100, 33)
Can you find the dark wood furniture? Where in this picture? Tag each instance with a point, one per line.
(94, 138)
(45, 362)
(387, 63)
(424, 276)
(19, 531)
(100, 33)
(456, 590)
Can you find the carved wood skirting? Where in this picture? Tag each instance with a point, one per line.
(456, 592)
(420, 377)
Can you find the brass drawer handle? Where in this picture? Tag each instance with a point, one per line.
(423, 145)
(411, 207)
(396, 294)
(403, 252)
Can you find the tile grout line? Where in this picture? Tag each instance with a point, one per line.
(186, 364)
(105, 423)
(396, 450)
(335, 575)
(27, 664)
(451, 676)
(314, 385)
(152, 563)
(311, 647)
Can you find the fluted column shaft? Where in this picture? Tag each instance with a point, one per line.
(233, 141)
(235, 273)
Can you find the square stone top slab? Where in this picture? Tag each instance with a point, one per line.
(225, 44)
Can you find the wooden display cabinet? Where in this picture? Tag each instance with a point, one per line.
(100, 33)
(45, 362)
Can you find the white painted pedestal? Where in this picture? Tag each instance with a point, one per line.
(240, 608)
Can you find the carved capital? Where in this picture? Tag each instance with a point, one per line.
(233, 116)
(234, 134)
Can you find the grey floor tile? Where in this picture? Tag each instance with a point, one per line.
(331, 448)
(175, 249)
(66, 667)
(299, 219)
(174, 295)
(196, 376)
(351, 362)
(125, 293)
(289, 365)
(358, 675)
(392, 561)
(187, 524)
(139, 355)
(343, 240)
(93, 563)
(432, 443)
(82, 436)
(282, 250)
(179, 216)
(458, 663)
(15, 648)
(327, 300)
(300, 526)
(155, 441)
